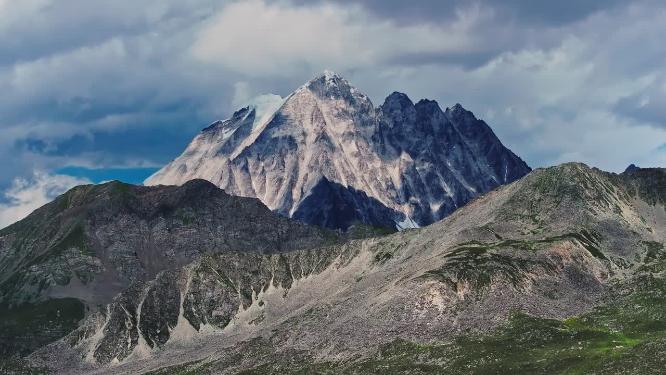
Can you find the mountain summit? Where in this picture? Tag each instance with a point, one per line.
(326, 155)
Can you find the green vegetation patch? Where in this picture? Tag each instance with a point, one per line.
(32, 325)
(588, 239)
(76, 238)
(386, 251)
(120, 189)
(654, 260)
(477, 263)
(186, 217)
(330, 237)
(478, 267)
(191, 368)
(18, 366)
(626, 336)
(382, 256)
(360, 230)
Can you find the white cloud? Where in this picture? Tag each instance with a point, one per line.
(241, 94)
(257, 38)
(26, 195)
(559, 103)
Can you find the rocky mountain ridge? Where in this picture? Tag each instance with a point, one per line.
(399, 165)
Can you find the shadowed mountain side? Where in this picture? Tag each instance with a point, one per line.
(332, 205)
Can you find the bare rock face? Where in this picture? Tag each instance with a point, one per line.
(552, 245)
(420, 163)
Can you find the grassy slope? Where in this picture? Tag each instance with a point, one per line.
(624, 336)
(30, 326)
(628, 335)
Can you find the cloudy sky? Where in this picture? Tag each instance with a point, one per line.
(92, 91)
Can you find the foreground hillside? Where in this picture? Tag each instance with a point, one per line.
(73, 256)
(559, 272)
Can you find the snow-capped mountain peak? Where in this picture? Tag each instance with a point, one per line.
(329, 77)
(326, 155)
(330, 85)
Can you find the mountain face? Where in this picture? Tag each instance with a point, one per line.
(561, 271)
(398, 165)
(94, 242)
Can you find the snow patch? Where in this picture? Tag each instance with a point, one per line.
(264, 107)
(407, 223)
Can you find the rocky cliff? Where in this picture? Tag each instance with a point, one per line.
(399, 165)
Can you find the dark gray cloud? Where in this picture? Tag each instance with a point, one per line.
(35, 29)
(466, 60)
(523, 12)
(503, 25)
(647, 106)
(551, 13)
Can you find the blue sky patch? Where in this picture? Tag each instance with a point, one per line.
(128, 175)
